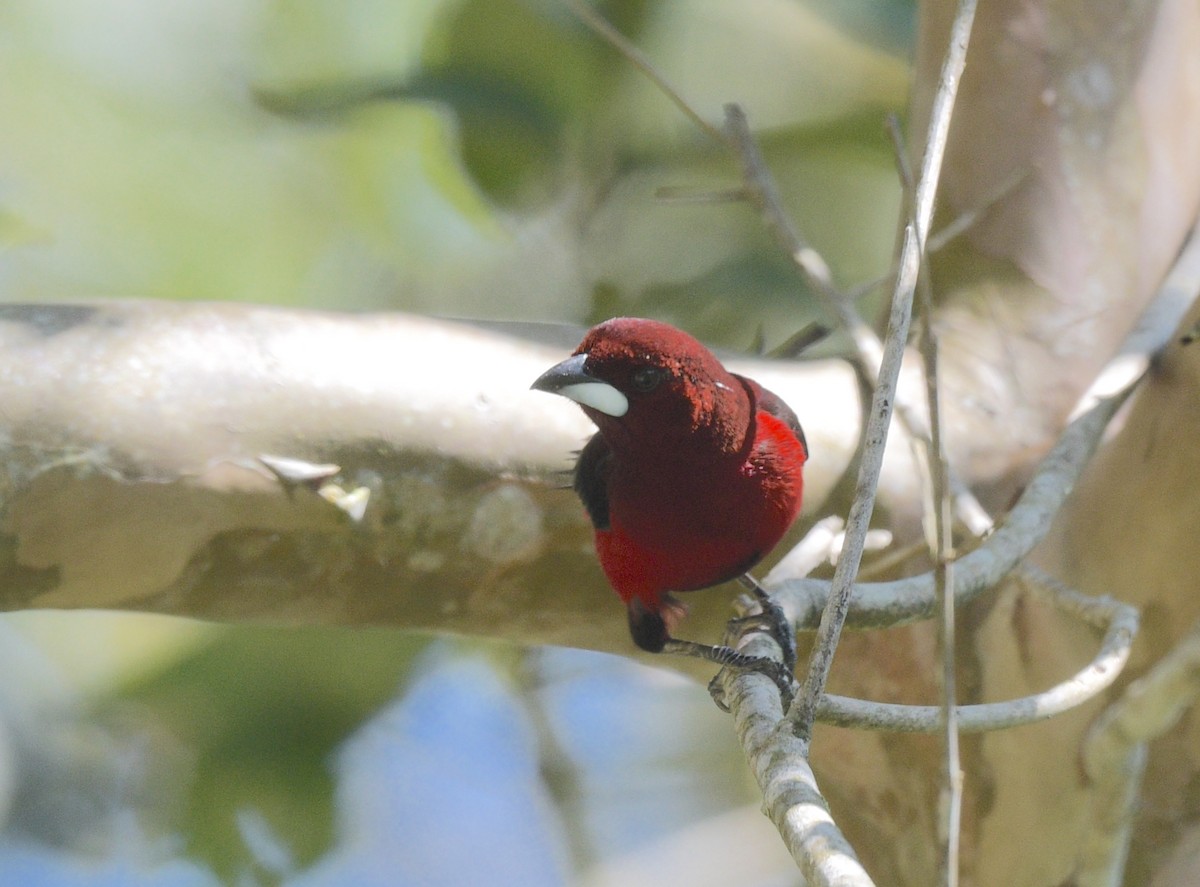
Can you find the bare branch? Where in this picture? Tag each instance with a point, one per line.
(177, 458)
(950, 819)
(638, 59)
(791, 797)
(879, 418)
(1119, 622)
(884, 604)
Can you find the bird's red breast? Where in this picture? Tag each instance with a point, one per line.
(695, 473)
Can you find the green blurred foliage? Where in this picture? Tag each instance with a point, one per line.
(486, 158)
(261, 711)
(465, 157)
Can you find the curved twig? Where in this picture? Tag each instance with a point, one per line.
(886, 604)
(1120, 622)
(879, 418)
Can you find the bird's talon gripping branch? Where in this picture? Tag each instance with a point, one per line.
(727, 657)
(693, 477)
(716, 689)
(768, 624)
(773, 620)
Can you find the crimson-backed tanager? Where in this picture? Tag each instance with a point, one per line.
(694, 474)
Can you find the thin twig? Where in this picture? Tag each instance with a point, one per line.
(867, 355)
(950, 818)
(965, 220)
(858, 521)
(887, 604)
(940, 547)
(1119, 622)
(763, 192)
(973, 515)
(638, 59)
(968, 218)
(879, 418)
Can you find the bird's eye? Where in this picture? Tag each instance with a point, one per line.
(647, 378)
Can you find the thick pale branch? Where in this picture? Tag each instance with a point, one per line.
(151, 453)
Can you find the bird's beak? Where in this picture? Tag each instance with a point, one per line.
(571, 380)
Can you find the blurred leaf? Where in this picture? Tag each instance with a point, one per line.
(787, 62)
(714, 268)
(443, 787)
(262, 711)
(302, 43)
(404, 188)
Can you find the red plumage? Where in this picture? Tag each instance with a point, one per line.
(694, 475)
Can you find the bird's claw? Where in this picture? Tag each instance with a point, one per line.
(772, 620)
(727, 657)
(716, 689)
(782, 679)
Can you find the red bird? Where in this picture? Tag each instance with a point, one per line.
(693, 477)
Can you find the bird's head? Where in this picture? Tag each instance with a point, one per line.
(644, 381)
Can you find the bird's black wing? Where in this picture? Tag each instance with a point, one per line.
(772, 403)
(591, 480)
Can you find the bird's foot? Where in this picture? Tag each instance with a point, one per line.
(771, 619)
(727, 657)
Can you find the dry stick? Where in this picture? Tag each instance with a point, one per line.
(941, 544)
(1119, 622)
(900, 601)
(966, 506)
(887, 604)
(943, 577)
(878, 420)
(859, 519)
(637, 58)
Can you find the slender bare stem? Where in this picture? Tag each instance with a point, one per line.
(879, 419)
(943, 578)
(1119, 622)
(638, 59)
